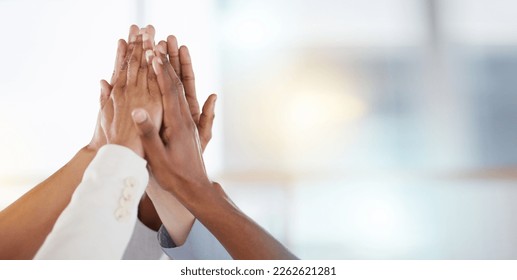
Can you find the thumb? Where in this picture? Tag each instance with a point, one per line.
(105, 92)
(153, 146)
(206, 121)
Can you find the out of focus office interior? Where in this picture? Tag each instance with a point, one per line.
(349, 129)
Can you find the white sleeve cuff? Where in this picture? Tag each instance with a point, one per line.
(99, 221)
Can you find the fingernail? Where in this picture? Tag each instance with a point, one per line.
(161, 49)
(139, 116)
(145, 36)
(160, 61)
(156, 66)
(149, 55)
(132, 38)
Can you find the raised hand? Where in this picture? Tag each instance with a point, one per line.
(99, 138)
(179, 158)
(131, 89)
(106, 114)
(177, 164)
(181, 63)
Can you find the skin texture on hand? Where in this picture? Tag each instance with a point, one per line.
(133, 88)
(175, 158)
(158, 205)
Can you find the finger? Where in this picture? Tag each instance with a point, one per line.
(119, 62)
(161, 47)
(174, 73)
(142, 76)
(133, 33)
(105, 92)
(172, 50)
(206, 121)
(131, 41)
(183, 105)
(148, 38)
(134, 61)
(107, 112)
(148, 45)
(143, 60)
(143, 70)
(162, 52)
(169, 90)
(188, 80)
(152, 83)
(119, 59)
(127, 57)
(151, 141)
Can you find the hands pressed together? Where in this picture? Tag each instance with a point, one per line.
(135, 85)
(150, 108)
(150, 83)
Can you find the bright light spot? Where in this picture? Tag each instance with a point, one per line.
(252, 27)
(305, 114)
(313, 108)
(379, 221)
(251, 31)
(13, 147)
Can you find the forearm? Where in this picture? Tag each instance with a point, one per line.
(175, 217)
(240, 235)
(25, 224)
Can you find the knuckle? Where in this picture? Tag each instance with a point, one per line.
(188, 76)
(178, 84)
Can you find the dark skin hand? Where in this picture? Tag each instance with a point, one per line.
(175, 158)
(179, 220)
(157, 205)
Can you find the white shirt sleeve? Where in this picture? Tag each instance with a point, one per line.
(101, 216)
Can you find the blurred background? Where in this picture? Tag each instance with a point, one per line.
(349, 129)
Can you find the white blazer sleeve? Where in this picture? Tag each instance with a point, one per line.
(101, 216)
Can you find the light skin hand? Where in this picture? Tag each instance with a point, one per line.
(99, 137)
(131, 91)
(146, 210)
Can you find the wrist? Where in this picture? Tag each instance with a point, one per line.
(89, 149)
(135, 146)
(197, 196)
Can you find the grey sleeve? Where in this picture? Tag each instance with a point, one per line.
(143, 245)
(200, 245)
